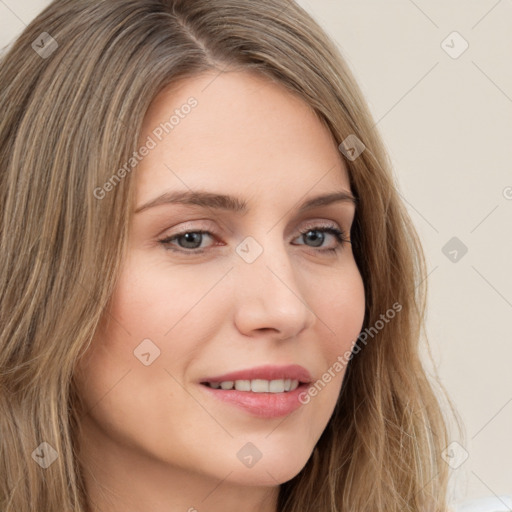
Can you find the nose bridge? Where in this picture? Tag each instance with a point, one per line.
(263, 259)
(267, 290)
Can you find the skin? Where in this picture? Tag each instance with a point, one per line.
(153, 439)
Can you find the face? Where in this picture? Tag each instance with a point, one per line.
(206, 289)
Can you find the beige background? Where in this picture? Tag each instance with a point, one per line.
(447, 123)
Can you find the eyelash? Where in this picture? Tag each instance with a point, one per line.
(337, 233)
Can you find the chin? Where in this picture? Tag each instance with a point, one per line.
(275, 466)
(265, 476)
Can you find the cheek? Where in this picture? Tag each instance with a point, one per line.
(342, 308)
(153, 298)
(150, 302)
(339, 304)
(344, 315)
(131, 317)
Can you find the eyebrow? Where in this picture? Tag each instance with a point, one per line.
(235, 204)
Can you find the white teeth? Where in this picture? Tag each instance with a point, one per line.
(243, 385)
(258, 385)
(276, 386)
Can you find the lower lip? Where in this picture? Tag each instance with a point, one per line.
(263, 405)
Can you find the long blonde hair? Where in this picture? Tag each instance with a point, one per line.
(72, 109)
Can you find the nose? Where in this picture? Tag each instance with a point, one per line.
(269, 294)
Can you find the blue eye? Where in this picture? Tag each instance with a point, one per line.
(192, 239)
(337, 233)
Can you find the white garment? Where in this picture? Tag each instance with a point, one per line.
(486, 504)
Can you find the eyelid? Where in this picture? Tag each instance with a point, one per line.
(321, 223)
(332, 228)
(212, 228)
(189, 225)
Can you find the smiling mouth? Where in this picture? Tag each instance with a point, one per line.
(256, 385)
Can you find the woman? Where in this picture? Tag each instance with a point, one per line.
(212, 295)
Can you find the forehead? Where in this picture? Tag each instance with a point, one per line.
(244, 133)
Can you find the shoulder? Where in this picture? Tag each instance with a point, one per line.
(485, 504)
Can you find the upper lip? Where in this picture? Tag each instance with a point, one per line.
(266, 372)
